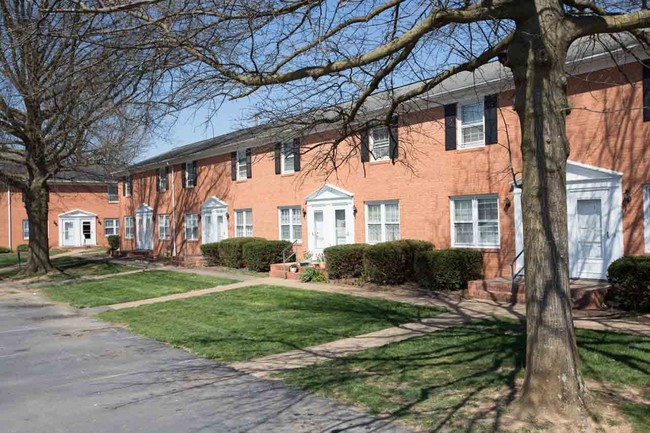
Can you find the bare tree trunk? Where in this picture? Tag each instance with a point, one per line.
(36, 202)
(553, 385)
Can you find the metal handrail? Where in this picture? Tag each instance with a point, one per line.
(512, 270)
(284, 252)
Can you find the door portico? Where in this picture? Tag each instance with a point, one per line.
(330, 218)
(77, 228)
(214, 220)
(144, 227)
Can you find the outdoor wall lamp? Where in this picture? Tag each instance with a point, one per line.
(627, 198)
(304, 212)
(507, 203)
(354, 210)
(227, 216)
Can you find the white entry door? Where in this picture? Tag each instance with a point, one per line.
(70, 231)
(214, 222)
(144, 228)
(77, 229)
(330, 225)
(590, 233)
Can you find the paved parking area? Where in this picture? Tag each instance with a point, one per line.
(62, 371)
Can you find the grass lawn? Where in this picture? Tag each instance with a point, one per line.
(71, 267)
(10, 259)
(461, 379)
(132, 287)
(252, 322)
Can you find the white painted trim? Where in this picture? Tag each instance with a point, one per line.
(480, 100)
(213, 202)
(77, 213)
(78, 218)
(594, 168)
(340, 193)
(383, 204)
(646, 217)
(118, 226)
(452, 211)
(291, 224)
(245, 212)
(158, 218)
(144, 208)
(129, 218)
(371, 143)
(185, 227)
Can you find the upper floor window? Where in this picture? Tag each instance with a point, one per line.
(128, 227)
(475, 221)
(382, 221)
(242, 167)
(243, 223)
(472, 125)
(288, 157)
(127, 186)
(112, 193)
(191, 227)
(111, 226)
(379, 142)
(163, 179)
(25, 229)
(290, 224)
(190, 174)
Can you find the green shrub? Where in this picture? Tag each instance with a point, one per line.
(392, 262)
(114, 242)
(448, 269)
(313, 275)
(345, 261)
(22, 248)
(227, 252)
(5, 250)
(629, 277)
(258, 255)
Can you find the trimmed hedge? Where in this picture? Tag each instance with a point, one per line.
(5, 250)
(345, 261)
(23, 248)
(392, 262)
(629, 277)
(448, 269)
(114, 242)
(258, 255)
(227, 252)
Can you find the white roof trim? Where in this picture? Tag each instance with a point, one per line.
(77, 213)
(212, 202)
(144, 208)
(577, 172)
(329, 192)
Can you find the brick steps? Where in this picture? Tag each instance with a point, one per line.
(585, 295)
(281, 270)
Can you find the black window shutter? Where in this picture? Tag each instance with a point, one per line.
(195, 174)
(249, 164)
(278, 156)
(450, 127)
(158, 180)
(646, 90)
(393, 138)
(123, 188)
(233, 165)
(490, 113)
(296, 154)
(365, 146)
(184, 177)
(167, 177)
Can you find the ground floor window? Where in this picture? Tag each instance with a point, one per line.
(25, 229)
(382, 221)
(111, 226)
(191, 227)
(290, 224)
(128, 227)
(475, 221)
(243, 223)
(163, 227)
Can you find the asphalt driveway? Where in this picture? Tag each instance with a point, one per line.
(61, 371)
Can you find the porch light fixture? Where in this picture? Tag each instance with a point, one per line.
(507, 203)
(304, 212)
(627, 198)
(354, 210)
(227, 216)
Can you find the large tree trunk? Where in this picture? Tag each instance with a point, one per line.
(553, 386)
(36, 203)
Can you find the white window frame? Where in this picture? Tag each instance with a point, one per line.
(163, 229)
(475, 221)
(115, 226)
(241, 164)
(292, 226)
(189, 180)
(25, 227)
(117, 192)
(371, 143)
(245, 213)
(382, 204)
(646, 217)
(163, 176)
(195, 217)
(287, 147)
(129, 227)
(460, 124)
(128, 186)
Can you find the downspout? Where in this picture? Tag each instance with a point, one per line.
(9, 216)
(173, 212)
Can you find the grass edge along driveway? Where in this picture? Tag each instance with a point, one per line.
(132, 287)
(251, 322)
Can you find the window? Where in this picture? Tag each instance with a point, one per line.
(472, 129)
(191, 227)
(290, 224)
(646, 216)
(242, 169)
(243, 223)
(475, 221)
(163, 227)
(163, 180)
(128, 227)
(382, 222)
(127, 187)
(112, 193)
(190, 174)
(111, 226)
(25, 229)
(288, 157)
(379, 143)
